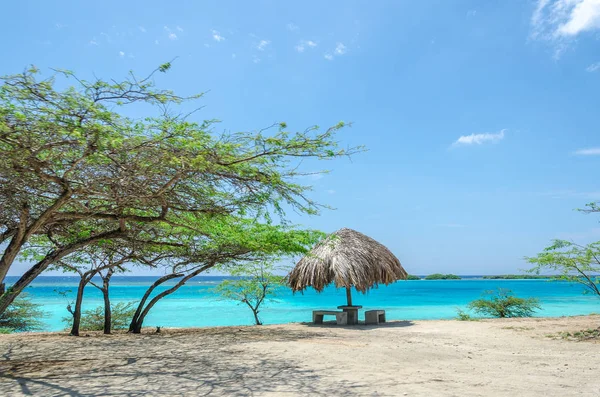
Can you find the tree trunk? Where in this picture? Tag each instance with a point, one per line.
(255, 312)
(138, 312)
(77, 311)
(8, 297)
(107, 309)
(136, 326)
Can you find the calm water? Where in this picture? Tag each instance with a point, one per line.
(195, 305)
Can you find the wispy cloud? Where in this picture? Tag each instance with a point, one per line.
(303, 44)
(170, 34)
(121, 54)
(156, 42)
(560, 21)
(471, 13)
(59, 26)
(217, 36)
(331, 191)
(93, 42)
(106, 36)
(329, 57)
(593, 67)
(594, 151)
(255, 59)
(291, 27)
(479, 139)
(179, 28)
(262, 45)
(340, 49)
(142, 29)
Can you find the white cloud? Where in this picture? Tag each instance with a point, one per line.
(291, 27)
(471, 13)
(121, 54)
(216, 36)
(329, 57)
(340, 49)
(142, 29)
(593, 67)
(170, 34)
(106, 36)
(560, 21)
(594, 151)
(331, 191)
(303, 44)
(93, 42)
(262, 45)
(60, 25)
(156, 42)
(179, 28)
(255, 59)
(479, 139)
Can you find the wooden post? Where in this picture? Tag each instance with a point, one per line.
(349, 296)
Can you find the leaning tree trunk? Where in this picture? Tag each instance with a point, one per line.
(77, 310)
(138, 319)
(107, 309)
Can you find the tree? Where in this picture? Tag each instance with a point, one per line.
(572, 262)
(22, 315)
(254, 284)
(73, 166)
(232, 241)
(95, 319)
(502, 303)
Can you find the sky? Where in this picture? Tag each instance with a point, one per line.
(480, 118)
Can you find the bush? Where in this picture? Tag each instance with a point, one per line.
(463, 316)
(22, 315)
(502, 303)
(93, 319)
(439, 276)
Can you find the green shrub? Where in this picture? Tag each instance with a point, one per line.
(22, 315)
(502, 303)
(463, 316)
(411, 277)
(439, 276)
(93, 319)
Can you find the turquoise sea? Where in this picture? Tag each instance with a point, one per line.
(195, 305)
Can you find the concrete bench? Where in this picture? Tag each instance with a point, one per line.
(341, 318)
(374, 316)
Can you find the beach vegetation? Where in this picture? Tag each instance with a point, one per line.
(571, 262)
(502, 303)
(254, 284)
(95, 319)
(413, 277)
(22, 315)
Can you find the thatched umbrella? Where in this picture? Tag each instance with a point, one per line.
(348, 259)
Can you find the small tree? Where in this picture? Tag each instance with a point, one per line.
(255, 283)
(502, 303)
(22, 315)
(572, 262)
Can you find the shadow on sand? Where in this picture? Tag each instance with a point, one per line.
(213, 362)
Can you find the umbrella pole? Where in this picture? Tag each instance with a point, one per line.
(349, 296)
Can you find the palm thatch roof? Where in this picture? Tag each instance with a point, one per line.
(348, 259)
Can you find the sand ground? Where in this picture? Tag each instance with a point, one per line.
(513, 357)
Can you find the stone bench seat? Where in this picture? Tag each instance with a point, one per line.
(374, 316)
(341, 318)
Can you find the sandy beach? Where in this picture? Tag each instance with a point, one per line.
(511, 357)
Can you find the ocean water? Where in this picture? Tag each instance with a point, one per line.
(195, 305)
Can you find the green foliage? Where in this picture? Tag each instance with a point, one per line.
(22, 315)
(572, 262)
(412, 277)
(502, 303)
(93, 319)
(463, 316)
(255, 284)
(439, 276)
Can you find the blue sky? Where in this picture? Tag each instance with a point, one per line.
(480, 117)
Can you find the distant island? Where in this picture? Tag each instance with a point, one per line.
(439, 276)
(519, 277)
